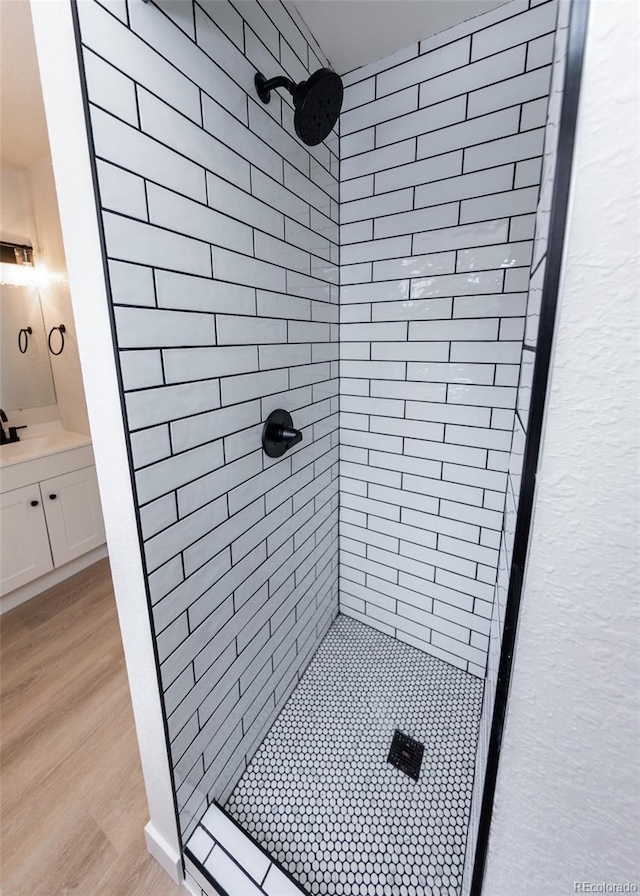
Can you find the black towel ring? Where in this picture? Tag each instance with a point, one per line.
(23, 339)
(62, 330)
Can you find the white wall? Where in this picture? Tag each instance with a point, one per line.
(389, 27)
(15, 218)
(58, 64)
(568, 786)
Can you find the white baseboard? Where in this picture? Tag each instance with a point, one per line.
(32, 589)
(167, 857)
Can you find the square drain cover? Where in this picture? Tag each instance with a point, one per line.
(406, 754)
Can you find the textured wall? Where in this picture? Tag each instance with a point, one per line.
(221, 234)
(568, 793)
(441, 149)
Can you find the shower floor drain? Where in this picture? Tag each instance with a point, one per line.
(406, 754)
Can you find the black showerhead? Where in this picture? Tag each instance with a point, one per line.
(317, 102)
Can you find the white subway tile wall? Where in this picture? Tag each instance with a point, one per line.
(221, 231)
(555, 49)
(442, 161)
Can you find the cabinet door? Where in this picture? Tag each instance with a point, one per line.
(24, 545)
(74, 515)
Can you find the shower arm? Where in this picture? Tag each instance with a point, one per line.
(265, 87)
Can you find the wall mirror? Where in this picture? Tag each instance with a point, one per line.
(26, 379)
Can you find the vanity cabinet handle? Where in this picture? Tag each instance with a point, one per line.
(52, 497)
(34, 503)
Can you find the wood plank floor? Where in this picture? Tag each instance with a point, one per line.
(72, 801)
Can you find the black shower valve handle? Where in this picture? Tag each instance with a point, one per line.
(279, 433)
(290, 436)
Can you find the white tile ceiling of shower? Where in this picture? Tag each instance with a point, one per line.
(441, 155)
(221, 231)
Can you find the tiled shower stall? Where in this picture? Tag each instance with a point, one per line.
(377, 287)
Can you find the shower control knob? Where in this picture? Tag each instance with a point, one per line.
(279, 433)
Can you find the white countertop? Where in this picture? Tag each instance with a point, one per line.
(43, 440)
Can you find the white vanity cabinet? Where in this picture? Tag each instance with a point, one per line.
(50, 515)
(73, 513)
(24, 542)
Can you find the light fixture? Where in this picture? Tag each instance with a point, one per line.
(16, 265)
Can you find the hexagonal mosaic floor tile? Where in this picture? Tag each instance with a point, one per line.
(321, 797)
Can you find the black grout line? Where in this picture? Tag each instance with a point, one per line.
(433, 106)
(279, 636)
(446, 152)
(210, 532)
(204, 170)
(202, 50)
(201, 127)
(236, 251)
(317, 585)
(467, 174)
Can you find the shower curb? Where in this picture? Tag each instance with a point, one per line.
(223, 860)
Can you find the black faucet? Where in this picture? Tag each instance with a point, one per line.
(13, 431)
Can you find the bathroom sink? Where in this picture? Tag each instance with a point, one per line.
(39, 446)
